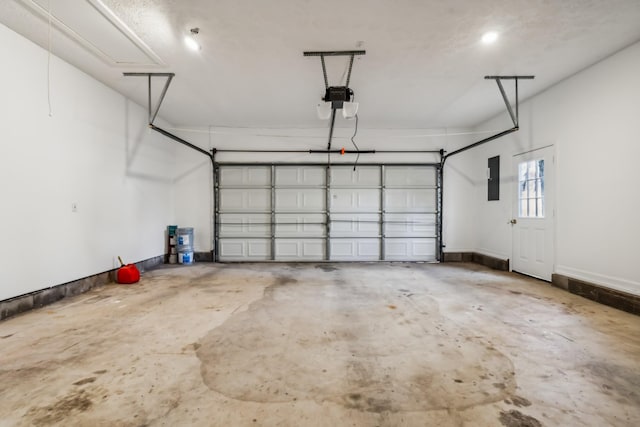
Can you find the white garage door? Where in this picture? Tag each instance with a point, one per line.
(314, 213)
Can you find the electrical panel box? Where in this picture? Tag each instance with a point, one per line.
(493, 178)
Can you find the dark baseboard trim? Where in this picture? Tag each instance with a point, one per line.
(486, 260)
(491, 262)
(47, 296)
(458, 257)
(598, 293)
(203, 256)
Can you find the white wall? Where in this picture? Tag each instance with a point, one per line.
(194, 205)
(459, 202)
(96, 151)
(593, 121)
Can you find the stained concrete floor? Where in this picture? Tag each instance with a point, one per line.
(322, 345)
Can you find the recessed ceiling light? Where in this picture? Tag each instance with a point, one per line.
(489, 37)
(190, 40)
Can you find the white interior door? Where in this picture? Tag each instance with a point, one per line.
(533, 213)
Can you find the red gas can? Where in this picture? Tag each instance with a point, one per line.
(127, 274)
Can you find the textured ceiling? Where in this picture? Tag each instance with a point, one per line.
(424, 65)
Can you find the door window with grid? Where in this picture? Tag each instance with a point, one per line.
(531, 189)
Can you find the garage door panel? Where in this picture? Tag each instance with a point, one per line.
(355, 249)
(300, 176)
(244, 249)
(363, 176)
(410, 225)
(355, 225)
(300, 200)
(303, 225)
(245, 200)
(410, 249)
(247, 225)
(250, 176)
(410, 200)
(300, 249)
(408, 176)
(355, 200)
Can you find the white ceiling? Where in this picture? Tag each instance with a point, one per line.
(424, 65)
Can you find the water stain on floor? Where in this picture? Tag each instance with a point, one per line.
(349, 348)
(617, 379)
(520, 401)
(78, 401)
(327, 268)
(516, 418)
(85, 381)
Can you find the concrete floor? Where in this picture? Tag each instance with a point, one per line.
(322, 345)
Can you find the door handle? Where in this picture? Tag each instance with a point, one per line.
(513, 222)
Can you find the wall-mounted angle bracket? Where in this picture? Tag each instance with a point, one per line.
(514, 117)
(169, 76)
(154, 112)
